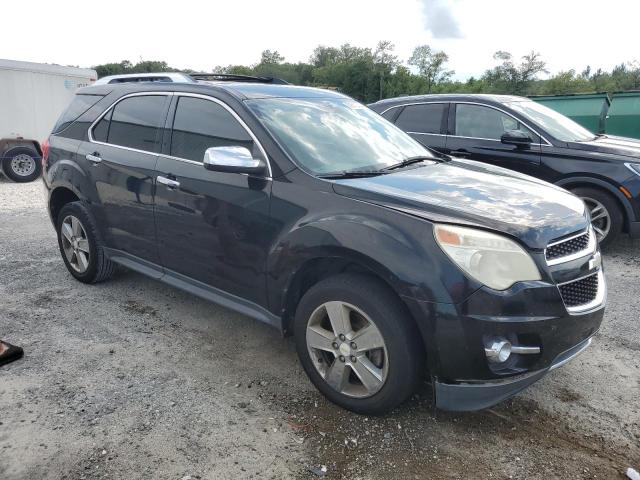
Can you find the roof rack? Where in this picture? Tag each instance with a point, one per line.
(230, 77)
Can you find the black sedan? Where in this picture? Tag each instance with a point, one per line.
(522, 135)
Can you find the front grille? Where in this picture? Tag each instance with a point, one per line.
(569, 247)
(580, 292)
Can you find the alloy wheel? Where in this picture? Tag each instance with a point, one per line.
(23, 165)
(347, 349)
(75, 243)
(600, 217)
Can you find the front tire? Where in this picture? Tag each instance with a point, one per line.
(607, 218)
(22, 164)
(358, 344)
(81, 246)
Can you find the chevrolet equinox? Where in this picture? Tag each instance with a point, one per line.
(304, 209)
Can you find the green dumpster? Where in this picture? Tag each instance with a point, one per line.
(624, 115)
(587, 109)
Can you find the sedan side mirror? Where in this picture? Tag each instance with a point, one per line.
(232, 159)
(516, 137)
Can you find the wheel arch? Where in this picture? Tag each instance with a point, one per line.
(58, 198)
(596, 183)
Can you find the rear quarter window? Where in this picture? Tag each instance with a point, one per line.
(79, 105)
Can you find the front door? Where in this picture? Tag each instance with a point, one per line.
(475, 132)
(212, 226)
(120, 159)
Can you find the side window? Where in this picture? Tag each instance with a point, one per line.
(389, 114)
(478, 121)
(135, 122)
(200, 124)
(79, 105)
(425, 118)
(101, 130)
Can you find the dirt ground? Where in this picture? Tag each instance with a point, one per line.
(134, 379)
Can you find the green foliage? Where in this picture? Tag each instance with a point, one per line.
(371, 74)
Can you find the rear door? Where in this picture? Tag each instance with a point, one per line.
(213, 227)
(120, 159)
(426, 122)
(475, 131)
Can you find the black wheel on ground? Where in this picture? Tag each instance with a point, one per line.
(358, 344)
(607, 217)
(81, 246)
(22, 164)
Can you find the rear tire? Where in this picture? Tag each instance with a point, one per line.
(22, 164)
(81, 246)
(369, 381)
(607, 217)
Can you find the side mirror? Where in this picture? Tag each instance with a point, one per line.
(516, 137)
(232, 160)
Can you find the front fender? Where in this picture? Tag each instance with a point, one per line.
(398, 248)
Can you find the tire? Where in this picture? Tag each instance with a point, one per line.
(88, 267)
(22, 164)
(599, 203)
(399, 364)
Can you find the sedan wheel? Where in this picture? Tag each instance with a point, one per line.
(600, 217)
(75, 243)
(348, 349)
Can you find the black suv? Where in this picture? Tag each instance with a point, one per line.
(520, 134)
(304, 209)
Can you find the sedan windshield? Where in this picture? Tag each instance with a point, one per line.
(327, 136)
(559, 126)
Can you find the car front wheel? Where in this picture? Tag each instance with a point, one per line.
(606, 215)
(358, 344)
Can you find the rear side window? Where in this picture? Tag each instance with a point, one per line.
(389, 114)
(135, 122)
(425, 118)
(79, 105)
(200, 124)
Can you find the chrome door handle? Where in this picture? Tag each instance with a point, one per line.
(168, 182)
(95, 158)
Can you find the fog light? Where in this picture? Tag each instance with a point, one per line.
(498, 350)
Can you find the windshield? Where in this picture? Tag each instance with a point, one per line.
(335, 135)
(561, 127)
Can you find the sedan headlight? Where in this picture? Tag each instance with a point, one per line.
(491, 259)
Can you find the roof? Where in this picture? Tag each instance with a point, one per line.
(47, 68)
(489, 98)
(240, 90)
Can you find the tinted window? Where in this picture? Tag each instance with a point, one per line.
(79, 105)
(200, 124)
(484, 122)
(136, 122)
(389, 114)
(101, 130)
(422, 118)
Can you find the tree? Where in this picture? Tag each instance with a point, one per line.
(385, 61)
(271, 57)
(431, 65)
(510, 78)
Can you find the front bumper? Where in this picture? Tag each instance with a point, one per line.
(470, 397)
(528, 314)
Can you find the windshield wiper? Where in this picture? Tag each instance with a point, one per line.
(353, 174)
(409, 161)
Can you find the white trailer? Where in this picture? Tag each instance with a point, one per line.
(32, 97)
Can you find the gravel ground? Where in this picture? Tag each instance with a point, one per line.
(134, 379)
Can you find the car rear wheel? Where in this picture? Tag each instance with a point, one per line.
(357, 344)
(22, 164)
(606, 215)
(81, 246)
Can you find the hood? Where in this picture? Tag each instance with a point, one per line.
(626, 147)
(472, 193)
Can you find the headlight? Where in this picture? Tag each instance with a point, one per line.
(491, 259)
(634, 167)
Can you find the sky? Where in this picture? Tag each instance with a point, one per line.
(570, 34)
